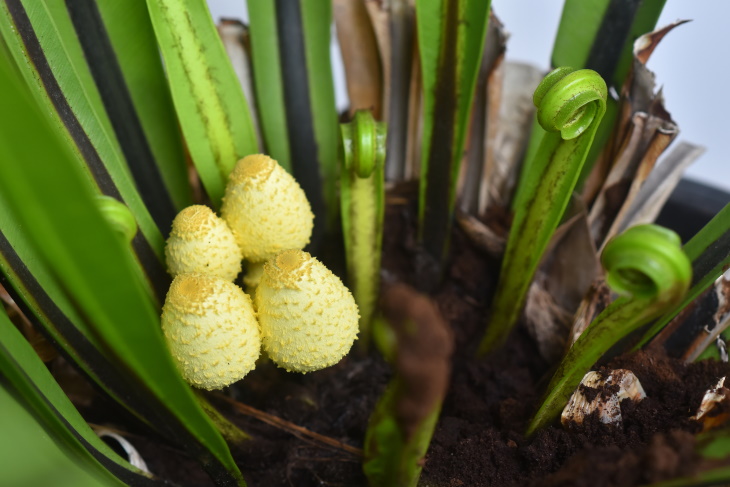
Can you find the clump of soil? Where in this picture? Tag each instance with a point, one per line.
(479, 439)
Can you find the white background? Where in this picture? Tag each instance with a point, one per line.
(692, 64)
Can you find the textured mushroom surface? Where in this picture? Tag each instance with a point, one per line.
(266, 208)
(210, 326)
(309, 319)
(200, 242)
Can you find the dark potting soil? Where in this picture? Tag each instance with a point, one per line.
(479, 438)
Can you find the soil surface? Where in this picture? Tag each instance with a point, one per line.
(479, 438)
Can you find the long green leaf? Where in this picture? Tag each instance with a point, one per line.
(29, 457)
(119, 45)
(27, 374)
(41, 39)
(600, 35)
(54, 202)
(290, 41)
(210, 105)
(451, 42)
(709, 251)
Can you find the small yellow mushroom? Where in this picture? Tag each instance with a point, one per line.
(210, 326)
(200, 242)
(309, 319)
(266, 209)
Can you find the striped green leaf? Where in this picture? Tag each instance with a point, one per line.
(211, 108)
(28, 376)
(41, 39)
(709, 251)
(33, 458)
(53, 205)
(451, 42)
(291, 41)
(121, 50)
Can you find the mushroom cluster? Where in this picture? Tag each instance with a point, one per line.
(302, 315)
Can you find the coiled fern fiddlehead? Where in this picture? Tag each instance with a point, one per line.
(647, 264)
(570, 106)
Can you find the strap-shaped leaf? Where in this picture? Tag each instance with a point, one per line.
(451, 42)
(120, 47)
(290, 40)
(28, 375)
(44, 187)
(709, 251)
(24, 439)
(211, 108)
(41, 39)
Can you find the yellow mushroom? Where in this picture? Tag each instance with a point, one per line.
(200, 242)
(266, 209)
(211, 329)
(309, 319)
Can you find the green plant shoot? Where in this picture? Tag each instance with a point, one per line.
(570, 105)
(404, 419)
(451, 43)
(362, 194)
(647, 264)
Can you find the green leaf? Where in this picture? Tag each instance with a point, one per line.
(29, 457)
(120, 47)
(647, 264)
(451, 42)
(28, 375)
(570, 105)
(211, 108)
(53, 201)
(600, 35)
(399, 434)
(291, 41)
(362, 187)
(269, 81)
(40, 37)
(709, 251)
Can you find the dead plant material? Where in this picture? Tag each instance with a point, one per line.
(284, 425)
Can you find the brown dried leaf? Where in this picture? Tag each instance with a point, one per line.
(360, 56)
(516, 113)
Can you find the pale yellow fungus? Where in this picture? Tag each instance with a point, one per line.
(309, 319)
(211, 329)
(200, 242)
(266, 209)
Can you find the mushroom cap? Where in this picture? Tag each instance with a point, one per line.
(200, 242)
(266, 208)
(211, 329)
(309, 319)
